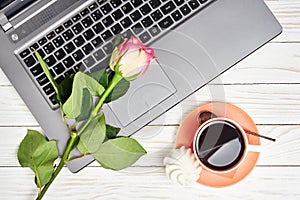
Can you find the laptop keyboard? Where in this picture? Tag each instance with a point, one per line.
(83, 42)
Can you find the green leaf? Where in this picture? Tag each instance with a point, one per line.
(39, 155)
(101, 76)
(111, 132)
(47, 72)
(119, 153)
(44, 157)
(93, 136)
(87, 104)
(65, 88)
(73, 106)
(120, 89)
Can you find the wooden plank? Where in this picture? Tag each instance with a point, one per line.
(159, 141)
(266, 104)
(96, 183)
(288, 14)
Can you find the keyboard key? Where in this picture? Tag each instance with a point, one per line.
(24, 53)
(76, 18)
(137, 28)
(36, 70)
(68, 35)
(166, 22)
(93, 6)
(48, 89)
(107, 21)
(41, 52)
(145, 37)
(53, 99)
(59, 79)
(116, 29)
(68, 24)
(51, 35)
(168, 7)
(69, 72)
(117, 15)
(59, 29)
(176, 15)
(84, 12)
(194, 4)
(145, 9)
(42, 80)
(126, 22)
(29, 61)
(136, 15)
(33, 47)
(87, 22)
(127, 8)
(179, 2)
(79, 41)
(79, 67)
(154, 3)
(147, 22)
(115, 3)
(99, 55)
(101, 2)
(102, 65)
(98, 28)
(136, 3)
(78, 55)
(97, 41)
(89, 61)
(154, 31)
(77, 28)
(59, 68)
(108, 48)
(185, 9)
(60, 54)
(49, 48)
(106, 35)
(156, 15)
(58, 42)
(127, 34)
(89, 34)
(50, 61)
(87, 49)
(70, 47)
(97, 15)
(203, 1)
(42, 41)
(106, 8)
(69, 62)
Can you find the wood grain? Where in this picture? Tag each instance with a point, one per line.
(96, 183)
(160, 140)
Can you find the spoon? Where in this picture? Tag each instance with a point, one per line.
(206, 115)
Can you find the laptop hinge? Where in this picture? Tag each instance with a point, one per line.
(4, 23)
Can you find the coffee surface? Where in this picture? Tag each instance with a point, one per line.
(220, 145)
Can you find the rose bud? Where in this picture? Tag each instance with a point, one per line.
(131, 58)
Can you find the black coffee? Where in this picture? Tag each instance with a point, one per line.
(220, 145)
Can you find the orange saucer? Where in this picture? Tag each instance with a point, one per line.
(188, 127)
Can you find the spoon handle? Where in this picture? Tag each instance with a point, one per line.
(258, 135)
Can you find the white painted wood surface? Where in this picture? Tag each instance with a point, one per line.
(266, 85)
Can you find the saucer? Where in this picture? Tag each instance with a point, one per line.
(189, 125)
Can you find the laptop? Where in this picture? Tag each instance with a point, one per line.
(194, 41)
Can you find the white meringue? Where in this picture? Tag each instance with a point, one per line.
(182, 167)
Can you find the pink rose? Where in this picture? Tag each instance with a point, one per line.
(131, 58)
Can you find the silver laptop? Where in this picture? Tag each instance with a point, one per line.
(194, 40)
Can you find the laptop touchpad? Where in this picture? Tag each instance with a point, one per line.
(144, 93)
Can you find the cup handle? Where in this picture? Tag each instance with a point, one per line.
(254, 148)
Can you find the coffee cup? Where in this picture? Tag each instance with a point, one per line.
(221, 145)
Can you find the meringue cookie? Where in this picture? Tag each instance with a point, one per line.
(182, 167)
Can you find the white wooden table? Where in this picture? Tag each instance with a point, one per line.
(266, 85)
